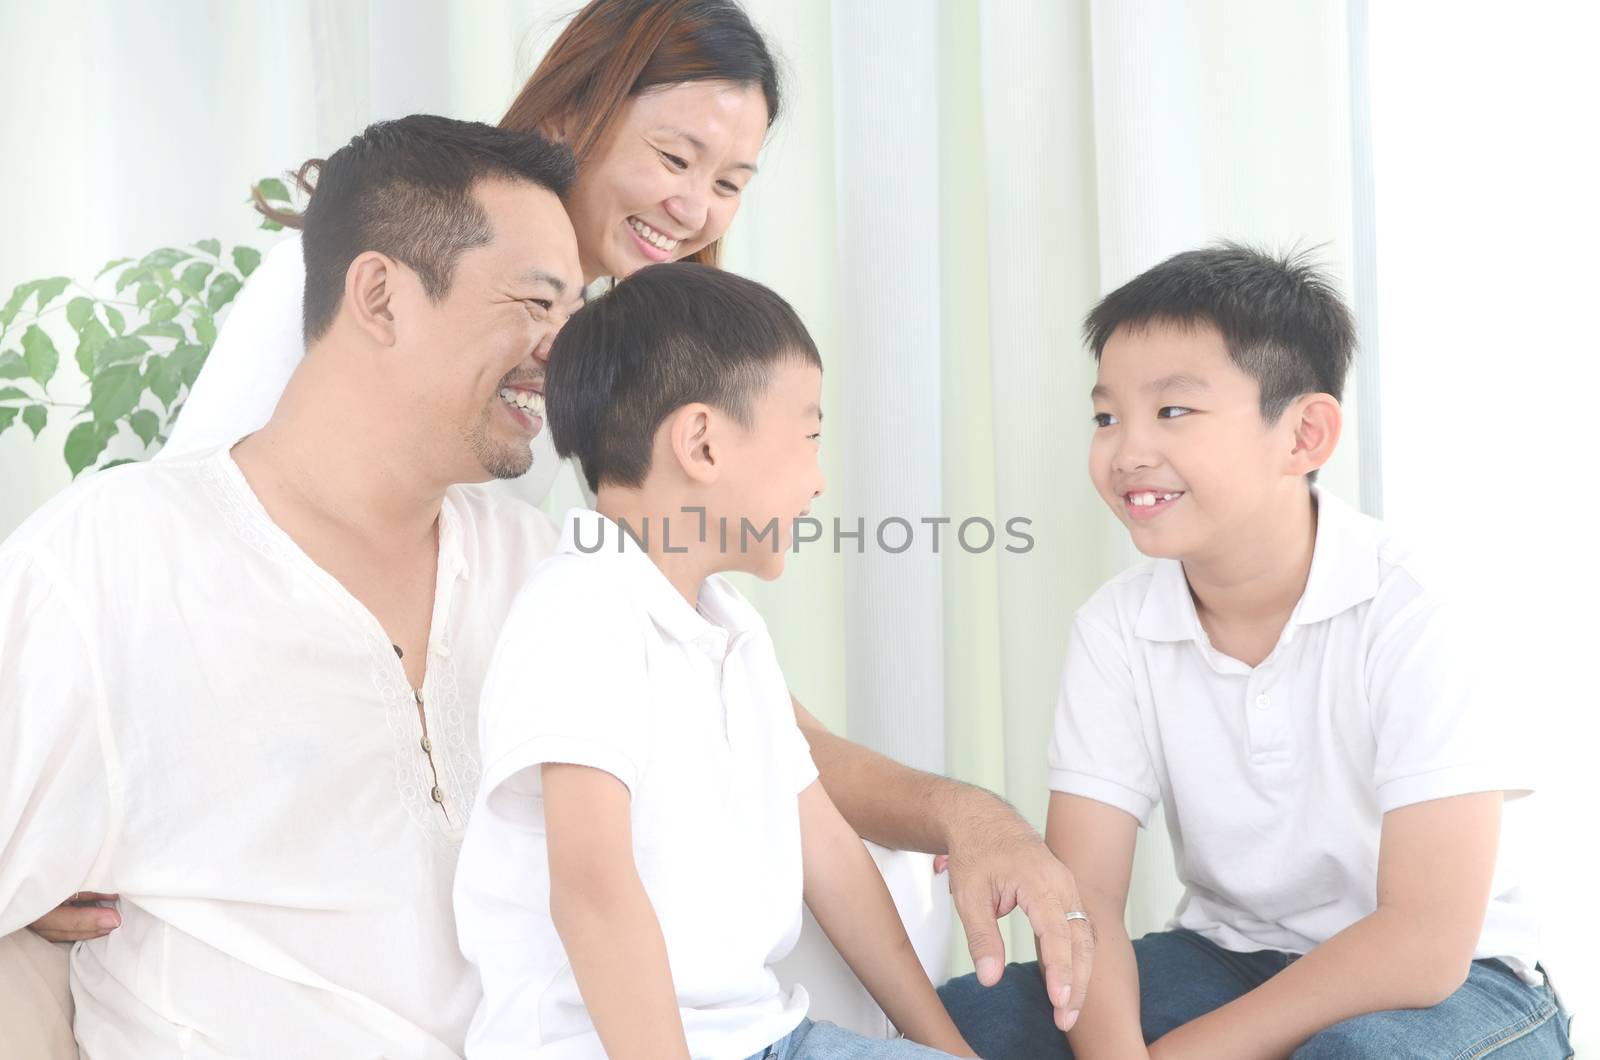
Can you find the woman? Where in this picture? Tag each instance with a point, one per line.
(665, 104)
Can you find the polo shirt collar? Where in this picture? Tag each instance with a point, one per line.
(722, 613)
(1344, 573)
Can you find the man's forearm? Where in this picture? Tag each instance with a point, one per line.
(894, 805)
(1381, 962)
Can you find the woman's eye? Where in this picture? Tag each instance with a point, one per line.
(1172, 412)
(1104, 419)
(729, 187)
(674, 161)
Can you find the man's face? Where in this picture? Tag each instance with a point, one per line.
(773, 471)
(481, 349)
(1180, 451)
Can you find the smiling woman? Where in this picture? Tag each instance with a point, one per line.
(665, 107)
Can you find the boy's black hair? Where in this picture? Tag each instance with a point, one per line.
(667, 336)
(1282, 320)
(404, 188)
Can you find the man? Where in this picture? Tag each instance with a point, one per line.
(264, 665)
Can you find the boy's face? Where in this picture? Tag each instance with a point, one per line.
(1180, 450)
(773, 471)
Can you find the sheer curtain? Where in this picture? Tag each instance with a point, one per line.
(952, 187)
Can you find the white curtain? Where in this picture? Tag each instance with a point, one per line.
(953, 185)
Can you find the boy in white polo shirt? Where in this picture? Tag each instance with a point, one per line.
(634, 865)
(1285, 684)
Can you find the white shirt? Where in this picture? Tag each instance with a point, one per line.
(604, 664)
(195, 716)
(261, 343)
(1275, 779)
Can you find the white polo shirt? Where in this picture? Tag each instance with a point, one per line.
(1275, 779)
(603, 663)
(195, 715)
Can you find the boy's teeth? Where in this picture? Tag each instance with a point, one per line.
(1148, 500)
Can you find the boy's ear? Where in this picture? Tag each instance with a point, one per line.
(692, 438)
(1317, 420)
(369, 292)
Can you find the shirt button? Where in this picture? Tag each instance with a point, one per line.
(427, 746)
(438, 796)
(1263, 702)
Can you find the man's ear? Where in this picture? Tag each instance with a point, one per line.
(691, 435)
(369, 291)
(1317, 420)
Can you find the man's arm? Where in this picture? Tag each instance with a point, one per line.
(1414, 951)
(604, 916)
(1097, 842)
(846, 894)
(997, 861)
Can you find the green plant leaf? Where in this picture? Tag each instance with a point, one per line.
(116, 463)
(193, 280)
(13, 306)
(12, 366)
(85, 443)
(164, 258)
(223, 288)
(272, 189)
(79, 312)
(114, 392)
(40, 354)
(35, 417)
(268, 224)
(188, 359)
(162, 310)
(145, 424)
(11, 393)
(111, 265)
(49, 290)
(205, 328)
(164, 377)
(117, 350)
(245, 259)
(8, 416)
(210, 246)
(93, 336)
(114, 318)
(165, 329)
(132, 275)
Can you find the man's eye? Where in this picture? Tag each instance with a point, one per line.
(544, 304)
(1104, 419)
(1172, 412)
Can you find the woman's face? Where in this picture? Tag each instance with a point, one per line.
(669, 180)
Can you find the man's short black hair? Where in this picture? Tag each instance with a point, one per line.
(404, 188)
(668, 336)
(1282, 320)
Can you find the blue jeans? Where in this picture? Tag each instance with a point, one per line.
(1182, 976)
(824, 1041)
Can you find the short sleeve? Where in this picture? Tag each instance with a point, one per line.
(568, 684)
(1436, 733)
(1098, 749)
(261, 343)
(54, 796)
(803, 769)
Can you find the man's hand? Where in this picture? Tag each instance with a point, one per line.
(998, 863)
(78, 918)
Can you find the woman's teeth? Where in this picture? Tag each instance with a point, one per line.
(526, 400)
(1149, 500)
(651, 236)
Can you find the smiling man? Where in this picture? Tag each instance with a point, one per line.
(239, 688)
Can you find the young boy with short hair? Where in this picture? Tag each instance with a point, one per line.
(1282, 680)
(650, 817)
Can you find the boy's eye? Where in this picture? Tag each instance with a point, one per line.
(1104, 419)
(814, 437)
(1172, 412)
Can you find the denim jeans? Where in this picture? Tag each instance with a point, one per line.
(824, 1041)
(1183, 976)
